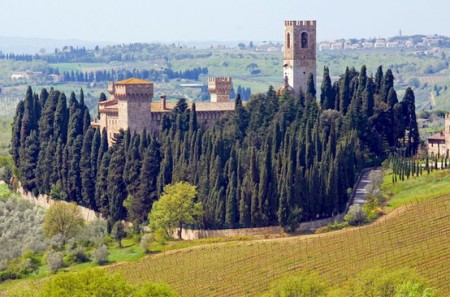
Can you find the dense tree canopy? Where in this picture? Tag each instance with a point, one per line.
(278, 160)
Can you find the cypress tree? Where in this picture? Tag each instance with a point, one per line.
(327, 96)
(61, 118)
(344, 88)
(87, 175)
(46, 122)
(193, 119)
(392, 98)
(116, 187)
(132, 170)
(28, 162)
(231, 215)
(411, 122)
(368, 99)
(378, 80)
(101, 190)
(386, 84)
(94, 151)
(16, 129)
(74, 171)
(103, 147)
(148, 191)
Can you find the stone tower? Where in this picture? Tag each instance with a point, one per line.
(299, 53)
(133, 103)
(447, 129)
(220, 88)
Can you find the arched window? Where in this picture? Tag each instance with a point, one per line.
(304, 38)
(288, 40)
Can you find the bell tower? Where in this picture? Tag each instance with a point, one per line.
(299, 53)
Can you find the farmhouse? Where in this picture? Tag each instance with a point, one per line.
(439, 143)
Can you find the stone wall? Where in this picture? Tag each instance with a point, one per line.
(190, 234)
(46, 201)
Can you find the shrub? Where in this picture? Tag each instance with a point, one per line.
(7, 274)
(355, 215)
(77, 255)
(298, 286)
(100, 255)
(20, 229)
(92, 234)
(154, 290)
(380, 282)
(146, 241)
(55, 261)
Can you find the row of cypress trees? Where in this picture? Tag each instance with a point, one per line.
(278, 160)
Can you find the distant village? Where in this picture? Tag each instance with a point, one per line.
(427, 45)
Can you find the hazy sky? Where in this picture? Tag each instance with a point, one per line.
(225, 20)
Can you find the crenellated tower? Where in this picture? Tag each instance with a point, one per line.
(220, 88)
(299, 53)
(133, 97)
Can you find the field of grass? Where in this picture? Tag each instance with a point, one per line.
(425, 187)
(416, 236)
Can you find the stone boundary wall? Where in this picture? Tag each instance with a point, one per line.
(46, 201)
(190, 234)
(89, 215)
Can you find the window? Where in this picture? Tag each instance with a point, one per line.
(288, 40)
(304, 40)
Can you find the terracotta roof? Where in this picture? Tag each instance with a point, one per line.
(133, 81)
(199, 106)
(437, 136)
(108, 102)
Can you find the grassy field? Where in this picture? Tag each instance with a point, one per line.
(416, 236)
(425, 187)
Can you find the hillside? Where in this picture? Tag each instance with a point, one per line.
(416, 236)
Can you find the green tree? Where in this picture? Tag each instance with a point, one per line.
(63, 218)
(176, 207)
(118, 232)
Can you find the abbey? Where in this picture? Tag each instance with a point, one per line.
(131, 104)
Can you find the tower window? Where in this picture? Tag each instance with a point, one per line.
(288, 40)
(304, 39)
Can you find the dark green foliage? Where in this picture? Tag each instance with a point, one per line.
(116, 185)
(87, 174)
(28, 162)
(273, 161)
(327, 96)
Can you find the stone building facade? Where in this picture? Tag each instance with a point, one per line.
(299, 53)
(220, 88)
(131, 102)
(131, 106)
(439, 143)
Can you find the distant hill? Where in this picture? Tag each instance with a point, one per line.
(28, 45)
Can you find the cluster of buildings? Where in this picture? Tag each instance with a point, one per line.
(37, 76)
(131, 105)
(354, 44)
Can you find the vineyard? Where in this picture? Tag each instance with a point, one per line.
(416, 236)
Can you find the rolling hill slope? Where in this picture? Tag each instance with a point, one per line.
(416, 236)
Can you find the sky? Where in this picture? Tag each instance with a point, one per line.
(227, 20)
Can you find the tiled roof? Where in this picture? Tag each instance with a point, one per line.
(437, 136)
(134, 81)
(199, 106)
(108, 102)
